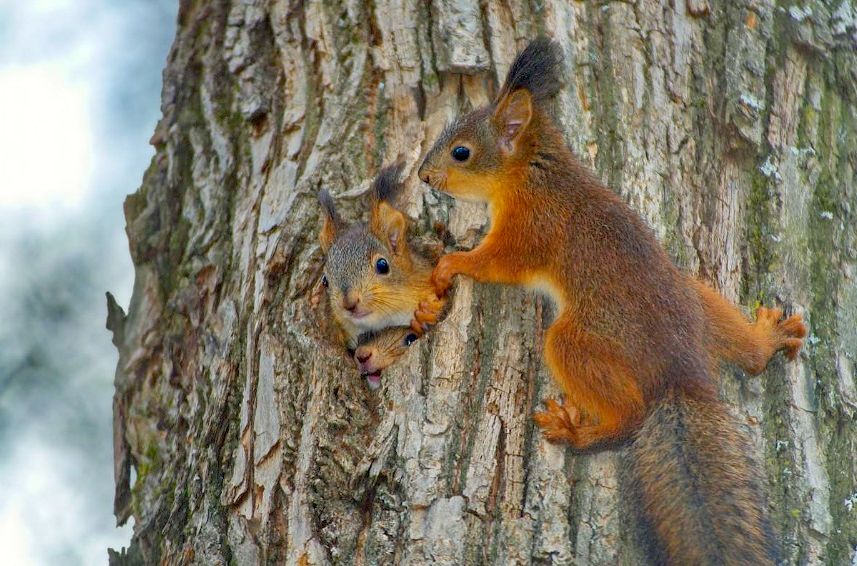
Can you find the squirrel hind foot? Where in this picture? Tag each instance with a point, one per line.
(769, 317)
(788, 333)
(792, 332)
(793, 326)
(792, 347)
(558, 423)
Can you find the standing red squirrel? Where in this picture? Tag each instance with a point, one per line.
(634, 338)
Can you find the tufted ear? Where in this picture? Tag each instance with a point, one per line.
(512, 116)
(388, 224)
(386, 221)
(331, 223)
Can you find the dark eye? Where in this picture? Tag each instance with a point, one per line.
(324, 280)
(382, 267)
(460, 153)
(410, 339)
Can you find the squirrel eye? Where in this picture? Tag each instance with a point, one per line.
(382, 267)
(324, 280)
(460, 153)
(410, 339)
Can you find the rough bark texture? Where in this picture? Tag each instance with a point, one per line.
(243, 437)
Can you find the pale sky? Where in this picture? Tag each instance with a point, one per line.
(79, 98)
(46, 139)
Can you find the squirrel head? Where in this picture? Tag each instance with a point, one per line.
(473, 157)
(378, 350)
(368, 266)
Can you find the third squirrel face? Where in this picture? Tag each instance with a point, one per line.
(472, 158)
(378, 350)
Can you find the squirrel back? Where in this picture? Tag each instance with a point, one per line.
(374, 277)
(696, 489)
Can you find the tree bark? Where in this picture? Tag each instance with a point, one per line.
(242, 436)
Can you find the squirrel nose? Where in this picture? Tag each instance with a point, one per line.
(363, 356)
(423, 173)
(350, 301)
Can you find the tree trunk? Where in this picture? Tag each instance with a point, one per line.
(242, 436)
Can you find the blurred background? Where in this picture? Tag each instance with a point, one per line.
(79, 98)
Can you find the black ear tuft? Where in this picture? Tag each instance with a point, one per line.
(329, 208)
(536, 69)
(387, 186)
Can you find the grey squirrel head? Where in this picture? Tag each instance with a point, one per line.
(372, 276)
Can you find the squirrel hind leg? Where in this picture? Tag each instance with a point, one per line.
(597, 383)
(562, 424)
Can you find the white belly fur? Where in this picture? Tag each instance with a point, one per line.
(548, 289)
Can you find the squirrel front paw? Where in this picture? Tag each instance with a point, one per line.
(441, 277)
(427, 314)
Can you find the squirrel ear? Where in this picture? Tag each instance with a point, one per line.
(332, 223)
(513, 115)
(389, 224)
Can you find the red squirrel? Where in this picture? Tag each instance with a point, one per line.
(374, 276)
(633, 340)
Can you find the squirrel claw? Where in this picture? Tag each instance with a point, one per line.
(418, 328)
(441, 285)
(792, 348)
(558, 422)
(791, 331)
(426, 314)
(793, 326)
(441, 277)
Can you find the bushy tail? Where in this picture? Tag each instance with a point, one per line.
(699, 492)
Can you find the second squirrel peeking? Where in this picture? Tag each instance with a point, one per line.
(375, 277)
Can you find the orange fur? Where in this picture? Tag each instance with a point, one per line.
(593, 369)
(363, 298)
(618, 290)
(730, 336)
(605, 399)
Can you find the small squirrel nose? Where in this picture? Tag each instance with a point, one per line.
(363, 356)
